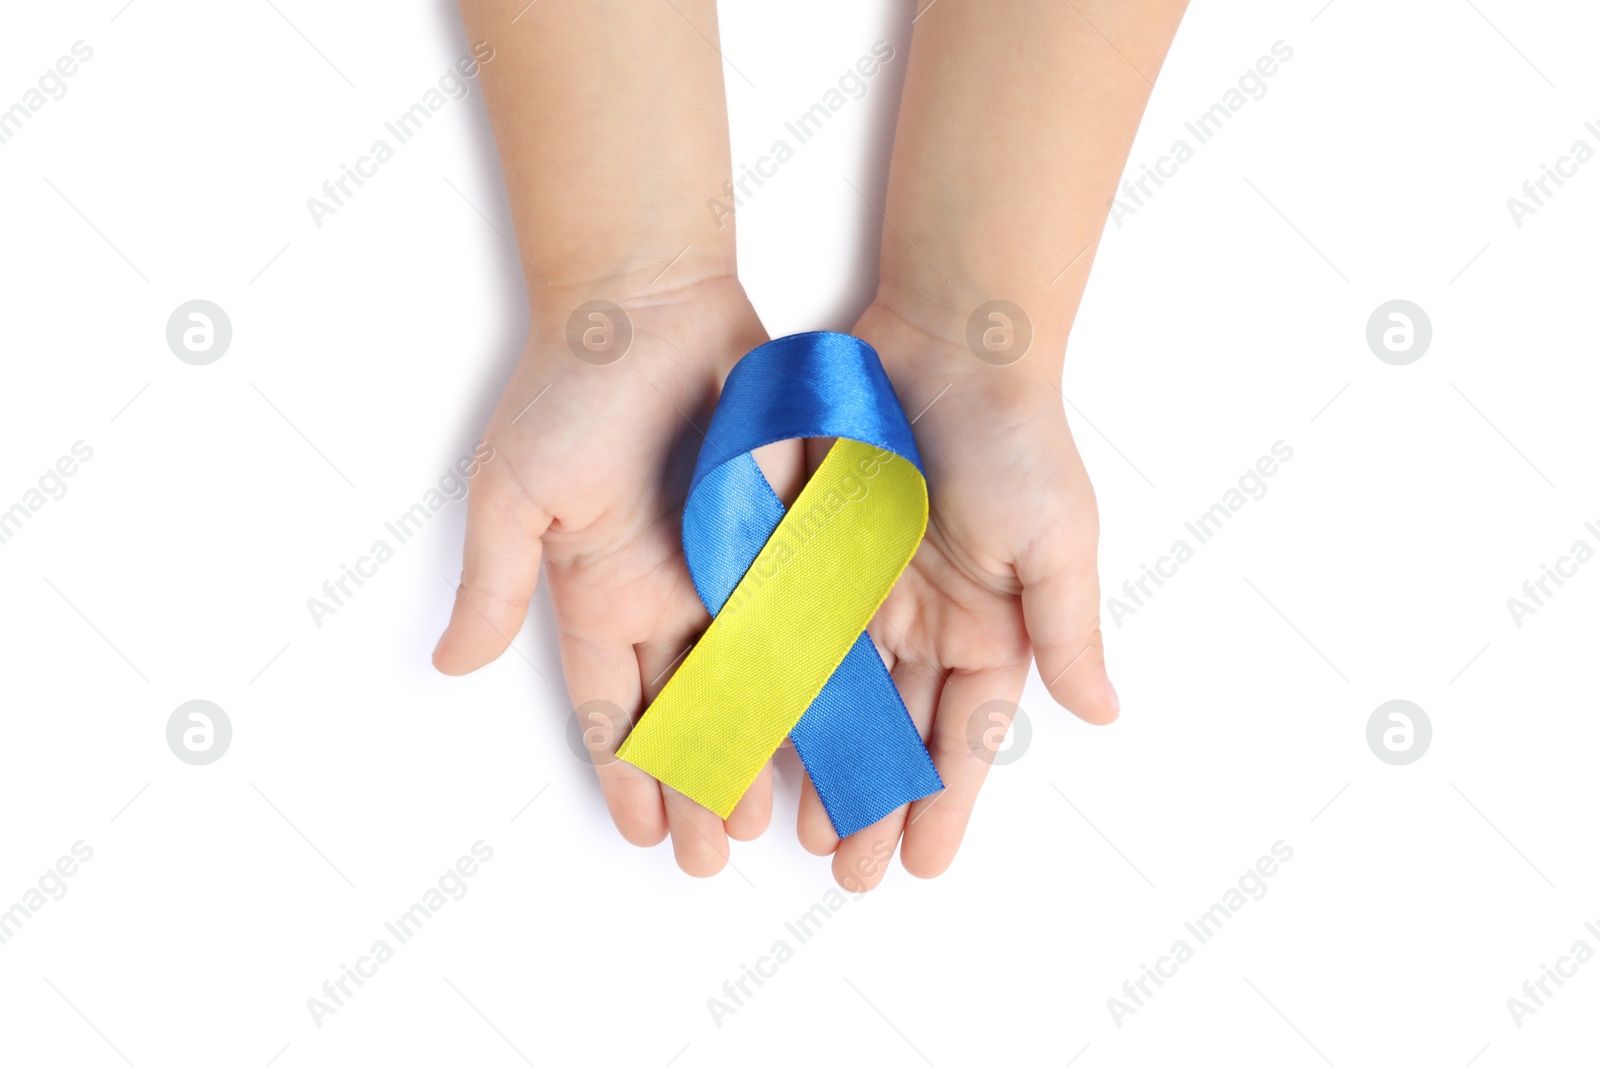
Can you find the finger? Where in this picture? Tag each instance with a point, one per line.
(813, 826)
(753, 813)
(937, 823)
(500, 567)
(1061, 608)
(699, 840)
(699, 835)
(863, 857)
(751, 816)
(603, 681)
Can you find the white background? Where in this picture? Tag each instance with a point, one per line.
(1227, 314)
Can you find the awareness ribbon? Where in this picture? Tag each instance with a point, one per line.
(792, 592)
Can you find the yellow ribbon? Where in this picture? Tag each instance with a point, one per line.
(792, 618)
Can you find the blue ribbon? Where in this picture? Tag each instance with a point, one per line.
(857, 740)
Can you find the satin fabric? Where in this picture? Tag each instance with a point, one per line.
(791, 591)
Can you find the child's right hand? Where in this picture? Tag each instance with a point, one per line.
(1006, 573)
(592, 476)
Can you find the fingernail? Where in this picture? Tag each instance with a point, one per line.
(1111, 695)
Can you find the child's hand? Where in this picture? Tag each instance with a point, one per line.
(1012, 136)
(1007, 571)
(591, 465)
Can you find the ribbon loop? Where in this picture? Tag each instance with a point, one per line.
(792, 591)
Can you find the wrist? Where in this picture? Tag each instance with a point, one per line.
(702, 312)
(636, 275)
(962, 335)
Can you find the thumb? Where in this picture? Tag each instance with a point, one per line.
(1061, 608)
(500, 568)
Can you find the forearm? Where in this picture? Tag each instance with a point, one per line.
(612, 128)
(1015, 125)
